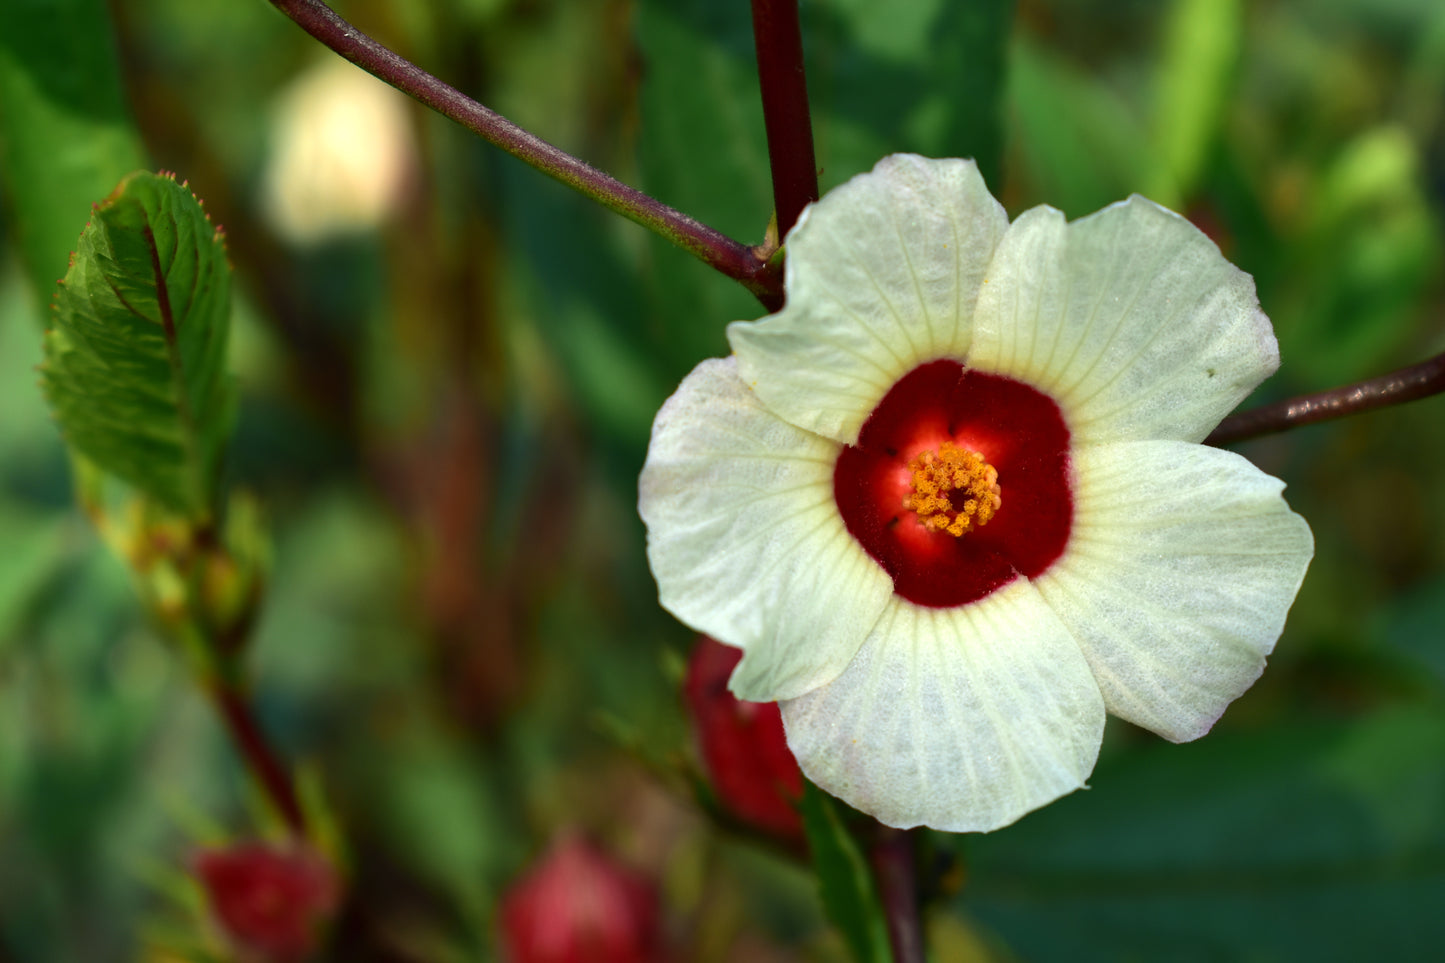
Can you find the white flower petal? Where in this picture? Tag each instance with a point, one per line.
(1130, 318)
(962, 719)
(1181, 566)
(882, 275)
(745, 539)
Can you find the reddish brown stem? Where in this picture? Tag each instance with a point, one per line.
(779, 41)
(1407, 384)
(732, 258)
(892, 857)
(260, 758)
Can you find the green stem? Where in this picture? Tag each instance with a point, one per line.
(732, 258)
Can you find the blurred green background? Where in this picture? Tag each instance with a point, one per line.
(446, 397)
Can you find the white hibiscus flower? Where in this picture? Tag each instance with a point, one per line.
(951, 502)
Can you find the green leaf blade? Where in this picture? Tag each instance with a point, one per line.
(1200, 58)
(845, 883)
(66, 135)
(1306, 840)
(136, 359)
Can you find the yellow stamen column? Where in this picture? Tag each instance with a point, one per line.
(954, 490)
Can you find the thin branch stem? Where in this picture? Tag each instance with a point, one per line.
(260, 758)
(892, 857)
(779, 41)
(732, 258)
(1396, 388)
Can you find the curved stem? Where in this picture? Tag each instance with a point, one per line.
(1407, 384)
(260, 758)
(779, 42)
(732, 258)
(892, 857)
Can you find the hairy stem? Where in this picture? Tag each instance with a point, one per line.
(892, 857)
(779, 42)
(259, 757)
(732, 258)
(1407, 384)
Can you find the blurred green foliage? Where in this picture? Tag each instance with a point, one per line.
(445, 415)
(64, 126)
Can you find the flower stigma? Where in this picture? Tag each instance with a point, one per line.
(954, 490)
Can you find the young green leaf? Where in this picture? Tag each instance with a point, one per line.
(135, 366)
(844, 882)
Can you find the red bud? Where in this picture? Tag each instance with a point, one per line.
(743, 748)
(270, 902)
(579, 906)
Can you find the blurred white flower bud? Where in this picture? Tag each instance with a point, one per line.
(342, 155)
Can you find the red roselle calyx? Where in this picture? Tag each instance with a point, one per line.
(579, 906)
(270, 902)
(1016, 430)
(743, 748)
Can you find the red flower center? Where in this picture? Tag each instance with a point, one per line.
(903, 509)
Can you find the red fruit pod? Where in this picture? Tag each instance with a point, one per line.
(578, 905)
(743, 748)
(270, 902)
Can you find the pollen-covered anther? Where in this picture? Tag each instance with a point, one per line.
(954, 490)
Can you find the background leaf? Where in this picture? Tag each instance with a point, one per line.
(1304, 843)
(1196, 76)
(845, 882)
(1081, 148)
(65, 132)
(926, 76)
(136, 361)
